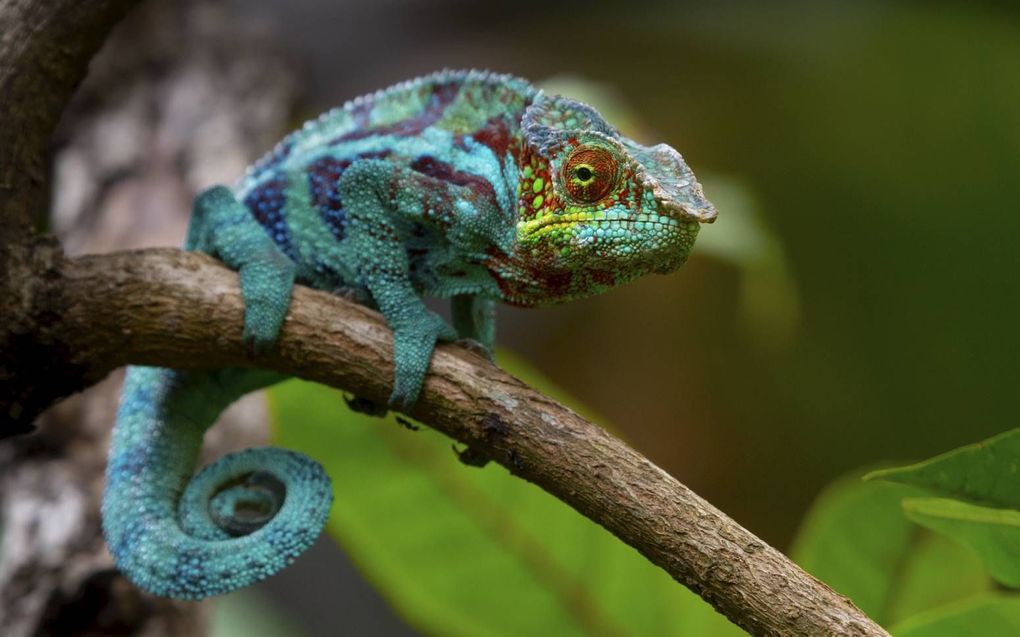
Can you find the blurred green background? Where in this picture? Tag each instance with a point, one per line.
(856, 302)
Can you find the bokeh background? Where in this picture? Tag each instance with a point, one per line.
(855, 303)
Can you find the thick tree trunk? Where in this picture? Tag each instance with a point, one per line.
(179, 98)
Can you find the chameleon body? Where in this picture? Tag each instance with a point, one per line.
(464, 185)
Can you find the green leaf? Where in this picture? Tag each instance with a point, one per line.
(936, 571)
(856, 539)
(987, 473)
(463, 551)
(993, 533)
(852, 539)
(984, 473)
(991, 615)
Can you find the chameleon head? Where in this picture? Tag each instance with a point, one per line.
(591, 199)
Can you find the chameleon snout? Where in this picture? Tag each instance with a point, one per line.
(673, 183)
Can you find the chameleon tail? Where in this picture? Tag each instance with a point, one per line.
(238, 521)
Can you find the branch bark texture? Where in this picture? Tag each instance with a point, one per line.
(45, 49)
(168, 308)
(173, 63)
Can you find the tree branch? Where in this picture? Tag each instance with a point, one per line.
(45, 48)
(175, 309)
(45, 51)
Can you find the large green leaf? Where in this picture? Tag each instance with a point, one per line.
(984, 473)
(993, 533)
(856, 539)
(986, 615)
(937, 571)
(463, 551)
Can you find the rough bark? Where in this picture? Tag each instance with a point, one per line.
(69, 322)
(45, 49)
(130, 154)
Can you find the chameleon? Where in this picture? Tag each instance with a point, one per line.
(464, 185)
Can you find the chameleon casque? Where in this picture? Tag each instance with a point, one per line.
(464, 185)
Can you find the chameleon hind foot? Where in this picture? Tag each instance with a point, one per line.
(413, 343)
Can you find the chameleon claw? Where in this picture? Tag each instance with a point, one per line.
(475, 347)
(471, 456)
(256, 344)
(365, 406)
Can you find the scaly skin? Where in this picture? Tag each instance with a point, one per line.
(462, 185)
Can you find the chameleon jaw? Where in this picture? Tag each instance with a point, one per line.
(534, 228)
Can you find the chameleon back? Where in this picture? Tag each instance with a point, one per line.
(462, 126)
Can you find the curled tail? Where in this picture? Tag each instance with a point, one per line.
(241, 519)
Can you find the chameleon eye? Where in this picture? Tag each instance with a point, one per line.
(589, 173)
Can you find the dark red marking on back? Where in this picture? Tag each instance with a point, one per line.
(495, 134)
(441, 97)
(429, 165)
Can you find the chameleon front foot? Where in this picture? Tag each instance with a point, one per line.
(413, 343)
(266, 286)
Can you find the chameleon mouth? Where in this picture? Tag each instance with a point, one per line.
(611, 224)
(548, 223)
